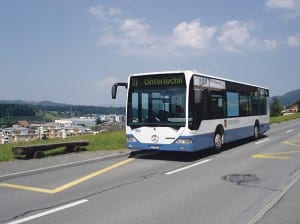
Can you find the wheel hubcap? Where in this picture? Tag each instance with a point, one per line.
(218, 141)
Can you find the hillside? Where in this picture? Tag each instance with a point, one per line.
(66, 108)
(12, 111)
(290, 97)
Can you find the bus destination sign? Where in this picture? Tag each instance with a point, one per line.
(157, 81)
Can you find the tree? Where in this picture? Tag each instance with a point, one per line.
(276, 107)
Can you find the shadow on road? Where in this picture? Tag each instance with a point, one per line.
(171, 156)
(186, 156)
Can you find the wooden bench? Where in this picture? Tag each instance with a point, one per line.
(37, 151)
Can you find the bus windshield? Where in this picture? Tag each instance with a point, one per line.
(157, 101)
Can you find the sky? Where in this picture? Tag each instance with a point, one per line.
(72, 51)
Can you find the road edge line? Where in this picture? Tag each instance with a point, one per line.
(275, 200)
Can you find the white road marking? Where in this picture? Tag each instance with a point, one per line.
(262, 141)
(49, 212)
(289, 131)
(187, 167)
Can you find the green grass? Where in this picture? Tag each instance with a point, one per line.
(279, 119)
(6, 153)
(114, 140)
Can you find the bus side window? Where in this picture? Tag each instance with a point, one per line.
(197, 105)
(216, 104)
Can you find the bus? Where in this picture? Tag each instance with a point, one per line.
(188, 111)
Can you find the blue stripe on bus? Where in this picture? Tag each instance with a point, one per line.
(244, 132)
(200, 142)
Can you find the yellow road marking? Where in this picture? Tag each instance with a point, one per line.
(293, 143)
(279, 155)
(268, 156)
(70, 184)
(22, 187)
(90, 176)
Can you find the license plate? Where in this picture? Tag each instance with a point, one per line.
(155, 147)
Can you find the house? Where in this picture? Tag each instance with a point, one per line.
(23, 124)
(294, 108)
(18, 134)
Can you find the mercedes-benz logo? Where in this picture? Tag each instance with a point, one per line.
(154, 138)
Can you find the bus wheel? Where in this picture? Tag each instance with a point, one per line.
(218, 140)
(256, 132)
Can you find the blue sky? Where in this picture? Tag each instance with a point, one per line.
(72, 51)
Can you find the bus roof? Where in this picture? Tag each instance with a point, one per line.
(190, 72)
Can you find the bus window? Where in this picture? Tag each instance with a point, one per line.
(156, 107)
(198, 110)
(244, 105)
(216, 104)
(232, 104)
(134, 107)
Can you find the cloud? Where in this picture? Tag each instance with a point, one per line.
(270, 44)
(136, 31)
(293, 41)
(282, 4)
(193, 35)
(235, 36)
(104, 13)
(134, 27)
(292, 7)
(133, 36)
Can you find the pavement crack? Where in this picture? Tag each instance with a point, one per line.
(33, 211)
(259, 187)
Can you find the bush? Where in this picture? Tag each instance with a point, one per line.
(276, 108)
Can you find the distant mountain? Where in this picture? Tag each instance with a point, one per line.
(290, 98)
(44, 103)
(16, 102)
(47, 103)
(79, 110)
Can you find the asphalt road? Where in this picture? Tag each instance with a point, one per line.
(249, 182)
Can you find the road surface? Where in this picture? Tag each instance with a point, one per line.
(249, 182)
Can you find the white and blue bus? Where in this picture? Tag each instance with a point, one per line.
(190, 111)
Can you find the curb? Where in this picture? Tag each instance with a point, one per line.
(61, 166)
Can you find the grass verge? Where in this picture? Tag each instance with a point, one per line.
(104, 141)
(114, 140)
(279, 119)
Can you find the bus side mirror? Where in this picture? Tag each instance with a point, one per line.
(115, 87)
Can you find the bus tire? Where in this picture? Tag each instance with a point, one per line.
(218, 140)
(256, 131)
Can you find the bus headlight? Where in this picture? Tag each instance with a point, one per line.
(131, 139)
(184, 141)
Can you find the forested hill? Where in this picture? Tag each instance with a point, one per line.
(24, 108)
(290, 97)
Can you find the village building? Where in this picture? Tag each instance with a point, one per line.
(23, 131)
(294, 108)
